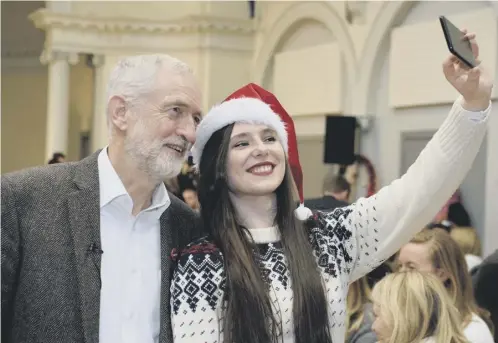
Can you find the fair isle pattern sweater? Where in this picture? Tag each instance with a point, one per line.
(347, 242)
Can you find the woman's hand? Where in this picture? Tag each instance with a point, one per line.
(474, 84)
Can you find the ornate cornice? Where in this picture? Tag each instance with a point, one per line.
(44, 19)
(77, 34)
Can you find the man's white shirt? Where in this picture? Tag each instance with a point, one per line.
(130, 297)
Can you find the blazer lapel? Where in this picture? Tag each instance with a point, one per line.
(84, 220)
(166, 247)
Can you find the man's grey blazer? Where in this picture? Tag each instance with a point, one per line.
(51, 253)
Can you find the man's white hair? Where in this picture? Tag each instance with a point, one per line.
(135, 76)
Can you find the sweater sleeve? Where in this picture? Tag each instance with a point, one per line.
(371, 230)
(197, 292)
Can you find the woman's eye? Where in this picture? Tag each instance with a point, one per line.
(240, 144)
(271, 139)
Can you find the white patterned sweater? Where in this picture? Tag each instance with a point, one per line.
(347, 242)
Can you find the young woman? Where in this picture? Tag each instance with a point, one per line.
(262, 274)
(434, 251)
(413, 307)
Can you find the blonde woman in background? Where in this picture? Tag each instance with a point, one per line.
(434, 251)
(359, 313)
(468, 241)
(412, 307)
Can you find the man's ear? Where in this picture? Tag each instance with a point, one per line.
(117, 112)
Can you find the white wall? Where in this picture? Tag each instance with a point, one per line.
(491, 204)
(314, 85)
(307, 59)
(415, 48)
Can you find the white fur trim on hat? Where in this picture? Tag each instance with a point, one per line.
(302, 212)
(245, 110)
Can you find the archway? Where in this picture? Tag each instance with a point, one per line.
(392, 14)
(320, 12)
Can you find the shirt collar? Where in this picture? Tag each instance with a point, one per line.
(111, 186)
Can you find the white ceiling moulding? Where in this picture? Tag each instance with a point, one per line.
(68, 32)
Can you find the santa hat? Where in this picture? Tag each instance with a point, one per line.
(255, 105)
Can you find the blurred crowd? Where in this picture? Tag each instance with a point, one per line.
(448, 249)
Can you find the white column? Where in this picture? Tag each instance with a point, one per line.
(99, 134)
(57, 100)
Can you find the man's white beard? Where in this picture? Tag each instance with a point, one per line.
(168, 166)
(153, 158)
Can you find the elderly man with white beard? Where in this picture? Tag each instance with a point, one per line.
(85, 245)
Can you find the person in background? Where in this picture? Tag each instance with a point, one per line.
(190, 197)
(469, 243)
(458, 215)
(453, 213)
(485, 281)
(336, 190)
(381, 271)
(434, 251)
(444, 225)
(414, 307)
(359, 313)
(86, 245)
(57, 157)
(173, 187)
(187, 177)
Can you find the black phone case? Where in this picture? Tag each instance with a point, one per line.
(447, 37)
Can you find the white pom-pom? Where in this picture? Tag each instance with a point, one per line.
(302, 213)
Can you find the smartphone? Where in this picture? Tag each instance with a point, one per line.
(457, 45)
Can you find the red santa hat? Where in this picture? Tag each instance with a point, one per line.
(255, 105)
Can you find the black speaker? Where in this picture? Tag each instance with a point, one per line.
(339, 142)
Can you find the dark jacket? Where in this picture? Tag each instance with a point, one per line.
(485, 280)
(50, 277)
(325, 203)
